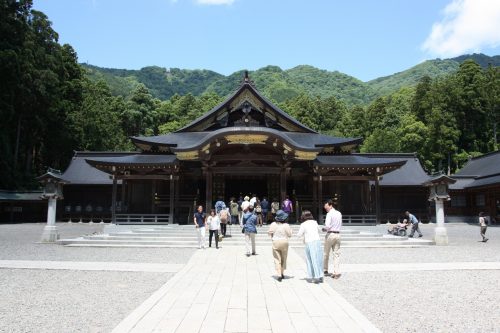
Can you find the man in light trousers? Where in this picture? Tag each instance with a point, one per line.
(333, 224)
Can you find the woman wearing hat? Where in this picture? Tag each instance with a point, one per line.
(280, 232)
(309, 229)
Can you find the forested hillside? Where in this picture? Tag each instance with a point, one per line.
(278, 84)
(444, 110)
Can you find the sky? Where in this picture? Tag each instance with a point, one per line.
(362, 38)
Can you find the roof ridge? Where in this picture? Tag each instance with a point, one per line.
(246, 84)
(486, 155)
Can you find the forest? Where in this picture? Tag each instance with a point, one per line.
(443, 110)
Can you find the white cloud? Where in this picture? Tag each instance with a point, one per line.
(215, 2)
(467, 26)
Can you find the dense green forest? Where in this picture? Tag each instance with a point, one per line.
(445, 110)
(276, 83)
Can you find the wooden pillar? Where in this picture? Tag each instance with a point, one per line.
(208, 193)
(153, 196)
(283, 184)
(320, 199)
(314, 208)
(122, 187)
(172, 194)
(113, 201)
(377, 199)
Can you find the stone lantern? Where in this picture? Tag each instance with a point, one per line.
(52, 191)
(439, 193)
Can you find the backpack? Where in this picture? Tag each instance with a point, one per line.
(486, 220)
(223, 216)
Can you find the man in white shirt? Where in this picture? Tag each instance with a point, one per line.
(333, 223)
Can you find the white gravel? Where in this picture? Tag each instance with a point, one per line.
(20, 242)
(69, 301)
(442, 301)
(426, 301)
(33, 300)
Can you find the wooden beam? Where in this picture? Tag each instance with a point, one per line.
(247, 170)
(241, 157)
(159, 177)
(365, 178)
(320, 199)
(377, 200)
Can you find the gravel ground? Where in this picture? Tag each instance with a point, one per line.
(19, 242)
(463, 246)
(426, 301)
(73, 301)
(69, 301)
(442, 301)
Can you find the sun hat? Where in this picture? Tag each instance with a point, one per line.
(281, 216)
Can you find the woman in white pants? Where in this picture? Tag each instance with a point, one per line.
(309, 229)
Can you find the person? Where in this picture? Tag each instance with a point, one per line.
(275, 206)
(414, 224)
(200, 223)
(287, 205)
(213, 228)
(258, 212)
(219, 205)
(280, 232)
(233, 206)
(248, 224)
(264, 204)
(333, 224)
(253, 200)
(483, 223)
(246, 202)
(314, 253)
(223, 218)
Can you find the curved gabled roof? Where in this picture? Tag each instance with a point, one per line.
(180, 141)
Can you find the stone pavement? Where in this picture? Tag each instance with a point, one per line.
(225, 291)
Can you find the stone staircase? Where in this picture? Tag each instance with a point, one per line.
(184, 236)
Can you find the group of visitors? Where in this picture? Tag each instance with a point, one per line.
(317, 257)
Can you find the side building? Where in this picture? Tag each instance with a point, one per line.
(477, 190)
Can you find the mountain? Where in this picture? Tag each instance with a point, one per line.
(433, 68)
(276, 83)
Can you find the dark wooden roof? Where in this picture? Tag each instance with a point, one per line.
(245, 86)
(79, 172)
(410, 174)
(358, 161)
(193, 140)
(18, 196)
(478, 172)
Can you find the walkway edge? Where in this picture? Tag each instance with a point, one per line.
(131, 320)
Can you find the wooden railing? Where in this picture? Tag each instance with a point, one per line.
(142, 218)
(357, 219)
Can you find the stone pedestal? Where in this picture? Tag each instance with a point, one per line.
(50, 233)
(440, 233)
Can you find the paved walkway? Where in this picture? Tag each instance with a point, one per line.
(225, 291)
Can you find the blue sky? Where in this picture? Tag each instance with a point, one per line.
(365, 39)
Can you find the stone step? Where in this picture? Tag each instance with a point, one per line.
(194, 243)
(237, 238)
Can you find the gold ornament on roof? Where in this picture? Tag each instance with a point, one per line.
(258, 139)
